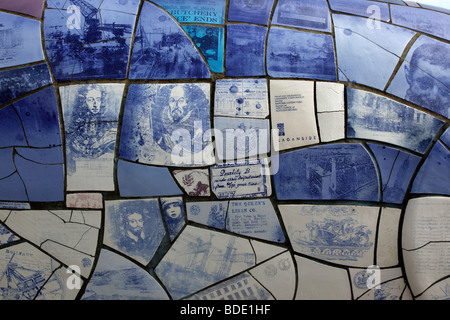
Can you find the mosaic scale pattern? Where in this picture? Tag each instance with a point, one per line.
(224, 150)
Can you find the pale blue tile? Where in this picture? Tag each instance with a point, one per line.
(368, 56)
(195, 11)
(445, 137)
(362, 8)
(257, 12)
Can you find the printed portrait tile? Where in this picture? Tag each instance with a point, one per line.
(162, 50)
(245, 47)
(174, 215)
(21, 40)
(134, 227)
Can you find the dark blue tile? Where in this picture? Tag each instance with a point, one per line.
(162, 50)
(16, 82)
(136, 180)
(245, 50)
(362, 7)
(62, 57)
(13, 189)
(375, 117)
(427, 21)
(329, 172)
(257, 12)
(424, 77)
(195, 11)
(306, 14)
(299, 54)
(40, 118)
(42, 182)
(210, 41)
(368, 55)
(397, 168)
(433, 175)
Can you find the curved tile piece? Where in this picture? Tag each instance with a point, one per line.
(210, 255)
(162, 50)
(337, 171)
(11, 128)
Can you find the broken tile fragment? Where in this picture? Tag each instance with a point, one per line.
(174, 216)
(194, 182)
(84, 200)
(209, 213)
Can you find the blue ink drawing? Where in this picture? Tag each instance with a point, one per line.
(245, 48)
(162, 50)
(340, 171)
(173, 211)
(210, 41)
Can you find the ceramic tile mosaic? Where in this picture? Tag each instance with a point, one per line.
(224, 150)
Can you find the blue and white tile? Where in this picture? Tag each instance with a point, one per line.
(237, 138)
(167, 124)
(255, 219)
(376, 117)
(369, 9)
(241, 179)
(21, 40)
(423, 77)
(327, 172)
(245, 49)
(343, 234)
(366, 55)
(222, 256)
(208, 213)
(173, 213)
(117, 278)
(257, 12)
(134, 227)
(293, 114)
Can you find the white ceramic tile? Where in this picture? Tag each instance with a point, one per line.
(331, 126)
(330, 96)
(388, 231)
